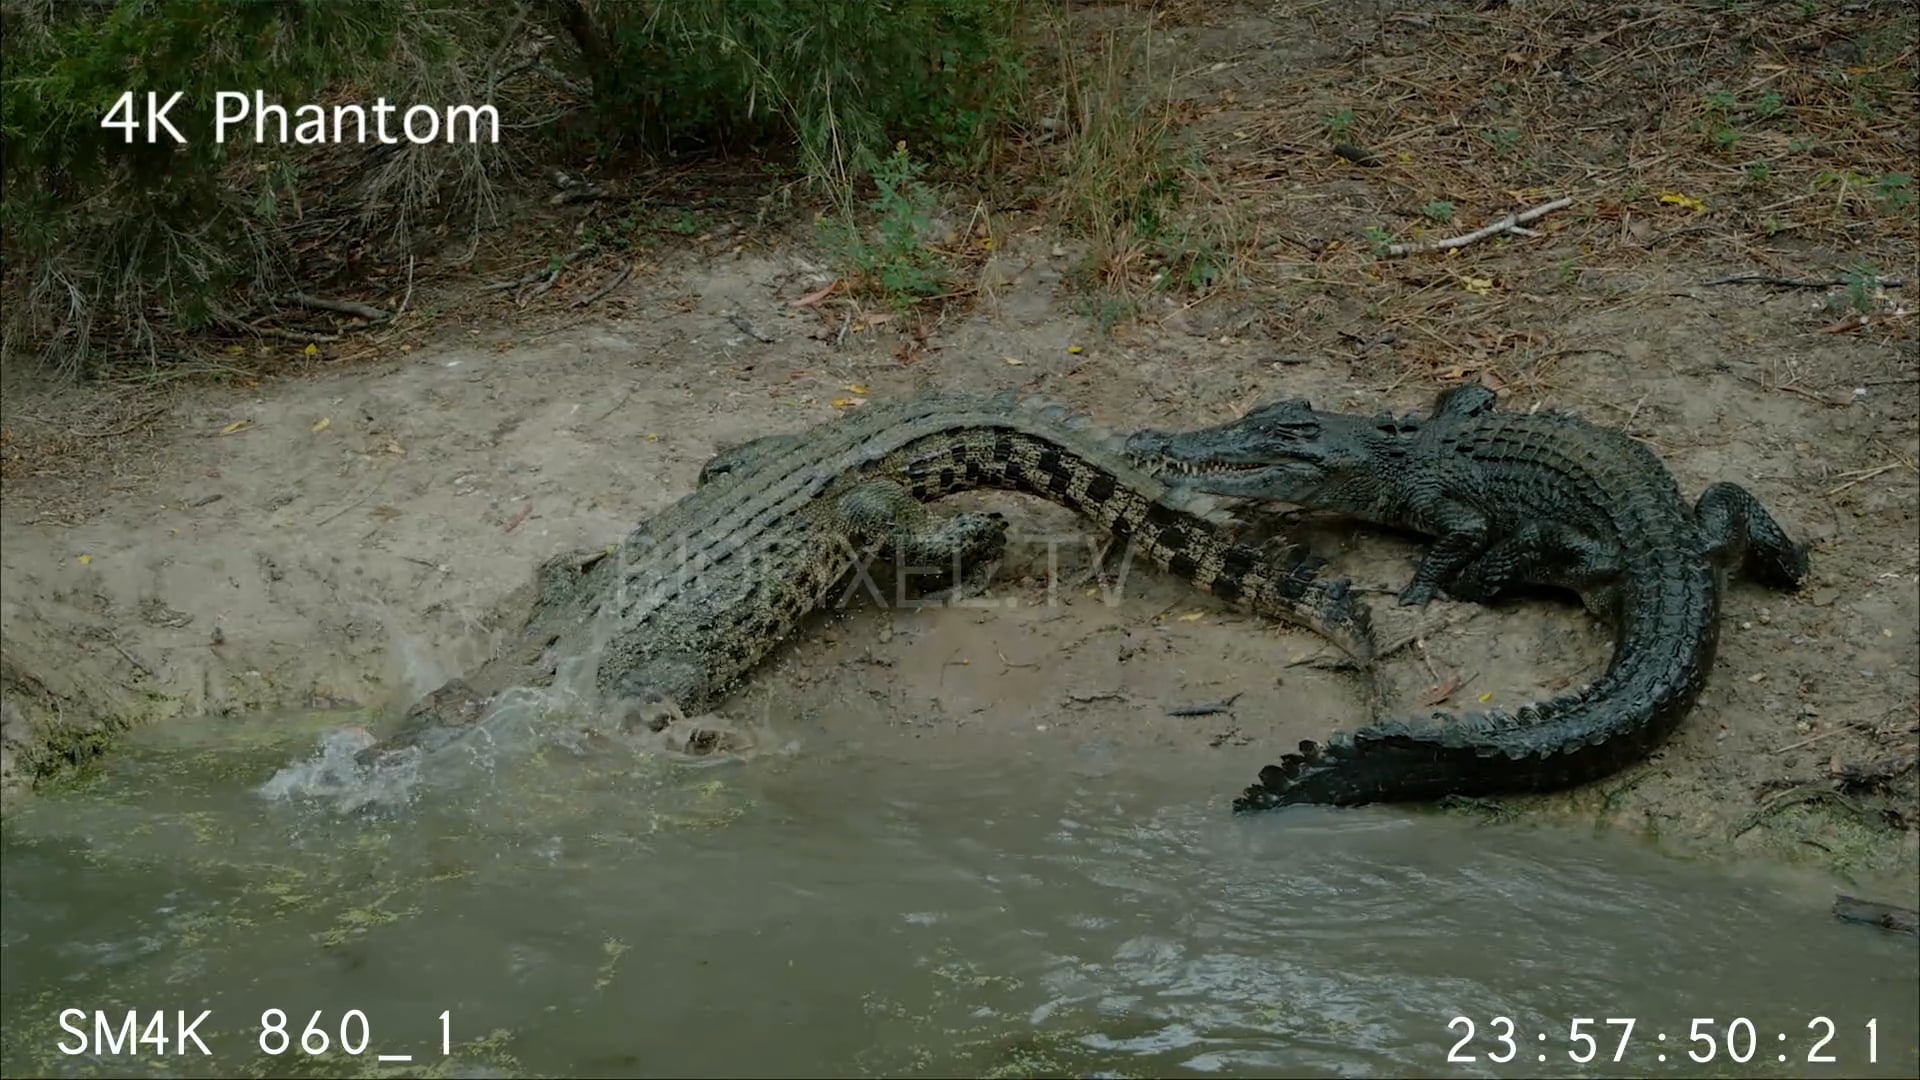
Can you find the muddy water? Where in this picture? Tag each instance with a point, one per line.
(831, 913)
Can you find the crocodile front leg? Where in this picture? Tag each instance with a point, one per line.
(1738, 529)
(1540, 553)
(1460, 537)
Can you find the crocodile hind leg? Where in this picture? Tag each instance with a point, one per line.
(1738, 529)
(872, 519)
(730, 458)
(882, 519)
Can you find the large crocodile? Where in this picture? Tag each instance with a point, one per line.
(693, 598)
(1541, 498)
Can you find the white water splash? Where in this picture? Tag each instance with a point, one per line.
(333, 775)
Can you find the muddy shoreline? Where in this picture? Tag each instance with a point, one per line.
(337, 541)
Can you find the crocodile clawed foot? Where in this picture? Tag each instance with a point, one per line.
(662, 726)
(707, 738)
(654, 716)
(1488, 808)
(1418, 594)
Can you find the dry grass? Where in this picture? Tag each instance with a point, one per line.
(1774, 138)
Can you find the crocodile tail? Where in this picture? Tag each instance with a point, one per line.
(1396, 760)
(1331, 774)
(1658, 668)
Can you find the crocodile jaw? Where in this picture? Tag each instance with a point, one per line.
(1205, 462)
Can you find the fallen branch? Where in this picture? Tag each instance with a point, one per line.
(532, 276)
(1798, 283)
(1885, 916)
(618, 279)
(344, 307)
(293, 335)
(520, 298)
(124, 429)
(1505, 224)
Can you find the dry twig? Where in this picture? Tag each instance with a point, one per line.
(618, 280)
(1510, 223)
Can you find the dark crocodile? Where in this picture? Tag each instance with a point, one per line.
(1539, 498)
(691, 600)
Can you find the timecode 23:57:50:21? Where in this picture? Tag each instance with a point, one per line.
(1707, 1040)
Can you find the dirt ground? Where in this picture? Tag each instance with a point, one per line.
(333, 538)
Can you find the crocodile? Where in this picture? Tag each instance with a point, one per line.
(1542, 498)
(683, 607)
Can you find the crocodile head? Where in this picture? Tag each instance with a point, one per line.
(1278, 451)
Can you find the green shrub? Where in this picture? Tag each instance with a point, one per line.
(845, 78)
(101, 230)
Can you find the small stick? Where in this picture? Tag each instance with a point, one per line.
(1796, 283)
(1208, 709)
(1505, 224)
(531, 276)
(1863, 477)
(1098, 695)
(135, 661)
(344, 307)
(401, 310)
(1811, 396)
(746, 327)
(1811, 739)
(618, 279)
(124, 429)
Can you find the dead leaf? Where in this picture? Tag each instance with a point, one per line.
(322, 424)
(854, 388)
(1014, 361)
(1478, 286)
(1484, 698)
(1193, 616)
(815, 297)
(311, 349)
(1675, 198)
(1441, 692)
(84, 559)
(394, 448)
(237, 425)
(848, 402)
